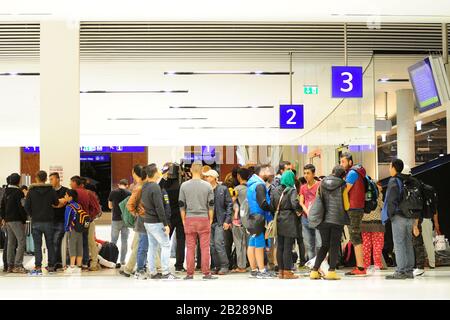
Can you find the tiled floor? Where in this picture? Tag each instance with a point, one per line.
(107, 284)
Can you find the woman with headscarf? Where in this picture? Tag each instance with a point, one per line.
(284, 203)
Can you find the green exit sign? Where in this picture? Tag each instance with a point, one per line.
(310, 89)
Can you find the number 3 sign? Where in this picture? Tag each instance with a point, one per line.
(291, 116)
(346, 82)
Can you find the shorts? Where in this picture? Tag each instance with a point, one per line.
(75, 244)
(354, 228)
(257, 241)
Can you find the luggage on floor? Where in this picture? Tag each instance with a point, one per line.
(109, 251)
(443, 258)
(440, 243)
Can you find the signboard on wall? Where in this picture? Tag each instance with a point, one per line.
(292, 116)
(346, 82)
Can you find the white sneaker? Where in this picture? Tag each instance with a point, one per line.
(69, 271)
(418, 272)
(77, 270)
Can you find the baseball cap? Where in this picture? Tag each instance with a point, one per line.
(211, 173)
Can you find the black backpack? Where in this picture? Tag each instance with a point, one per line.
(430, 201)
(371, 196)
(411, 197)
(109, 251)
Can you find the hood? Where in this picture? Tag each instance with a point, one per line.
(10, 190)
(358, 168)
(331, 183)
(41, 188)
(253, 180)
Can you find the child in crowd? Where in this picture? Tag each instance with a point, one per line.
(75, 238)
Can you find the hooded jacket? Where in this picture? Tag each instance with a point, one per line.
(11, 205)
(39, 202)
(331, 191)
(393, 197)
(357, 193)
(258, 197)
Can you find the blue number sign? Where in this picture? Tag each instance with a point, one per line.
(346, 82)
(291, 116)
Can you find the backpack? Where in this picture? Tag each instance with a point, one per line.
(127, 218)
(109, 252)
(371, 196)
(166, 203)
(430, 199)
(81, 220)
(411, 197)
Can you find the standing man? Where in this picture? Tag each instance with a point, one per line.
(221, 221)
(402, 225)
(156, 224)
(197, 212)
(117, 224)
(89, 202)
(58, 225)
(308, 193)
(13, 216)
(259, 203)
(171, 183)
(282, 167)
(39, 204)
(357, 195)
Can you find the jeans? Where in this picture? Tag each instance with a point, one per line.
(331, 240)
(284, 252)
(157, 236)
(311, 238)
(300, 243)
(16, 236)
(142, 251)
(118, 227)
(402, 229)
(177, 227)
(228, 240)
(197, 227)
(58, 229)
(218, 252)
(46, 229)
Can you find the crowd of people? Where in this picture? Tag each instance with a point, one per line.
(257, 221)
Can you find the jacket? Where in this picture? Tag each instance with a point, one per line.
(258, 197)
(332, 191)
(172, 187)
(135, 206)
(223, 205)
(287, 216)
(393, 197)
(152, 199)
(40, 201)
(357, 193)
(89, 202)
(11, 208)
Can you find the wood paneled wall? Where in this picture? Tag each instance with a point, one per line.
(122, 164)
(29, 163)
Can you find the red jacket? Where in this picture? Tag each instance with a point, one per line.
(88, 201)
(357, 194)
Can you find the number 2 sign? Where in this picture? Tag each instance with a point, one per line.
(291, 116)
(346, 82)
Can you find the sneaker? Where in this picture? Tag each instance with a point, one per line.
(264, 275)
(10, 270)
(69, 271)
(180, 270)
(20, 269)
(418, 272)
(141, 275)
(315, 275)
(156, 276)
(272, 274)
(210, 277)
(77, 270)
(124, 273)
(35, 272)
(239, 270)
(189, 277)
(357, 273)
(119, 265)
(409, 275)
(396, 276)
(253, 274)
(169, 276)
(332, 275)
(50, 270)
(95, 268)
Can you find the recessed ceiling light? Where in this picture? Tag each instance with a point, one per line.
(235, 72)
(135, 91)
(384, 80)
(154, 119)
(14, 74)
(221, 107)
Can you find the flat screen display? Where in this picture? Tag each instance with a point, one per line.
(424, 85)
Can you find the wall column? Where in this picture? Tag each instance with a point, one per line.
(406, 150)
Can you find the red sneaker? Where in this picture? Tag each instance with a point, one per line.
(357, 273)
